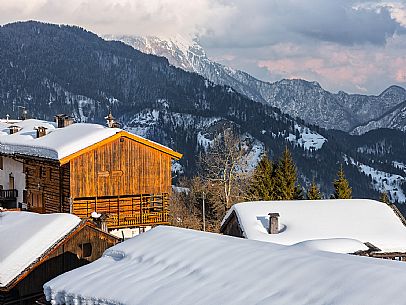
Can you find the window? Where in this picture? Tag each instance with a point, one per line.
(86, 249)
(1, 162)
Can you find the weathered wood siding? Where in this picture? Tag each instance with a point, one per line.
(67, 256)
(47, 182)
(121, 167)
(232, 227)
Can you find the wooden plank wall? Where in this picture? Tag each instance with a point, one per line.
(121, 167)
(68, 256)
(45, 178)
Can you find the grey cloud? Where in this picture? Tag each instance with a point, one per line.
(271, 21)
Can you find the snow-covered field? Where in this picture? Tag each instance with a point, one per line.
(341, 226)
(383, 181)
(308, 139)
(168, 265)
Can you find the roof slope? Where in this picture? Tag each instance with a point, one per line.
(331, 225)
(170, 265)
(61, 143)
(25, 236)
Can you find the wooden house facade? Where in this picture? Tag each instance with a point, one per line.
(123, 175)
(82, 244)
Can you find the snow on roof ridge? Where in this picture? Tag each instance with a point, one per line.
(58, 143)
(364, 220)
(193, 267)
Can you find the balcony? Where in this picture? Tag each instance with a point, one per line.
(8, 198)
(126, 211)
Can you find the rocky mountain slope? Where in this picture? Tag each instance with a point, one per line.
(297, 98)
(52, 69)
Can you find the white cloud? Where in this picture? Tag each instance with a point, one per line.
(344, 44)
(151, 17)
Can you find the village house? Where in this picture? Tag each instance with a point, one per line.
(355, 226)
(169, 265)
(81, 168)
(35, 248)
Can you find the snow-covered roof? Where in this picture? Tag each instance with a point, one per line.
(341, 225)
(169, 265)
(58, 143)
(26, 236)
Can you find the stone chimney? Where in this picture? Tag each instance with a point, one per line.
(62, 120)
(14, 129)
(41, 131)
(273, 223)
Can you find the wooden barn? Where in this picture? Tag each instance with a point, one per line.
(35, 248)
(82, 168)
(353, 226)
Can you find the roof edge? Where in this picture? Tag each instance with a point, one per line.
(11, 284)
(175, 155)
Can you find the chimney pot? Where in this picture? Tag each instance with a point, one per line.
(62, 120)
(111, 121)
(273, 223)
(14, 129)
(41, 131)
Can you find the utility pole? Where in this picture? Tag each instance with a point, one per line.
(204, 214)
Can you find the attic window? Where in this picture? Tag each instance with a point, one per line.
(86, 249)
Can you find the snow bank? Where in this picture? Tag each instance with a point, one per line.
(25, 236)
(170, 265)
(339, 221)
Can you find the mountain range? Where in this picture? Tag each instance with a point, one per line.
(354, 113)
(53, 69)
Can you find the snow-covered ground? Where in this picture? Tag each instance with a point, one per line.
(25, 236)
(308, 139)
(383, 181)
(168, 265)
(399, 165)
(341, 226)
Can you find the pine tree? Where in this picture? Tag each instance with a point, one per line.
(285, 177)
(384, 198)
(298, 193)
(342, 189)
(314, 192)
(262, 184)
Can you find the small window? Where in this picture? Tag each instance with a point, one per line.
(1, 162)
(86, 249)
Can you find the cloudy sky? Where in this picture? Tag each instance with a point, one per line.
(355, 46)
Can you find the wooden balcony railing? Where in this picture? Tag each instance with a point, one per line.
(126, 211)
(8, 194)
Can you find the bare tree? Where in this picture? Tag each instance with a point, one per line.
(223, 171)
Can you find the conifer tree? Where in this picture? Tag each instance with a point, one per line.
(342, 189)
(298, 193)
(314, 192)
(384, 198)
(285, 177)
(262, 185)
